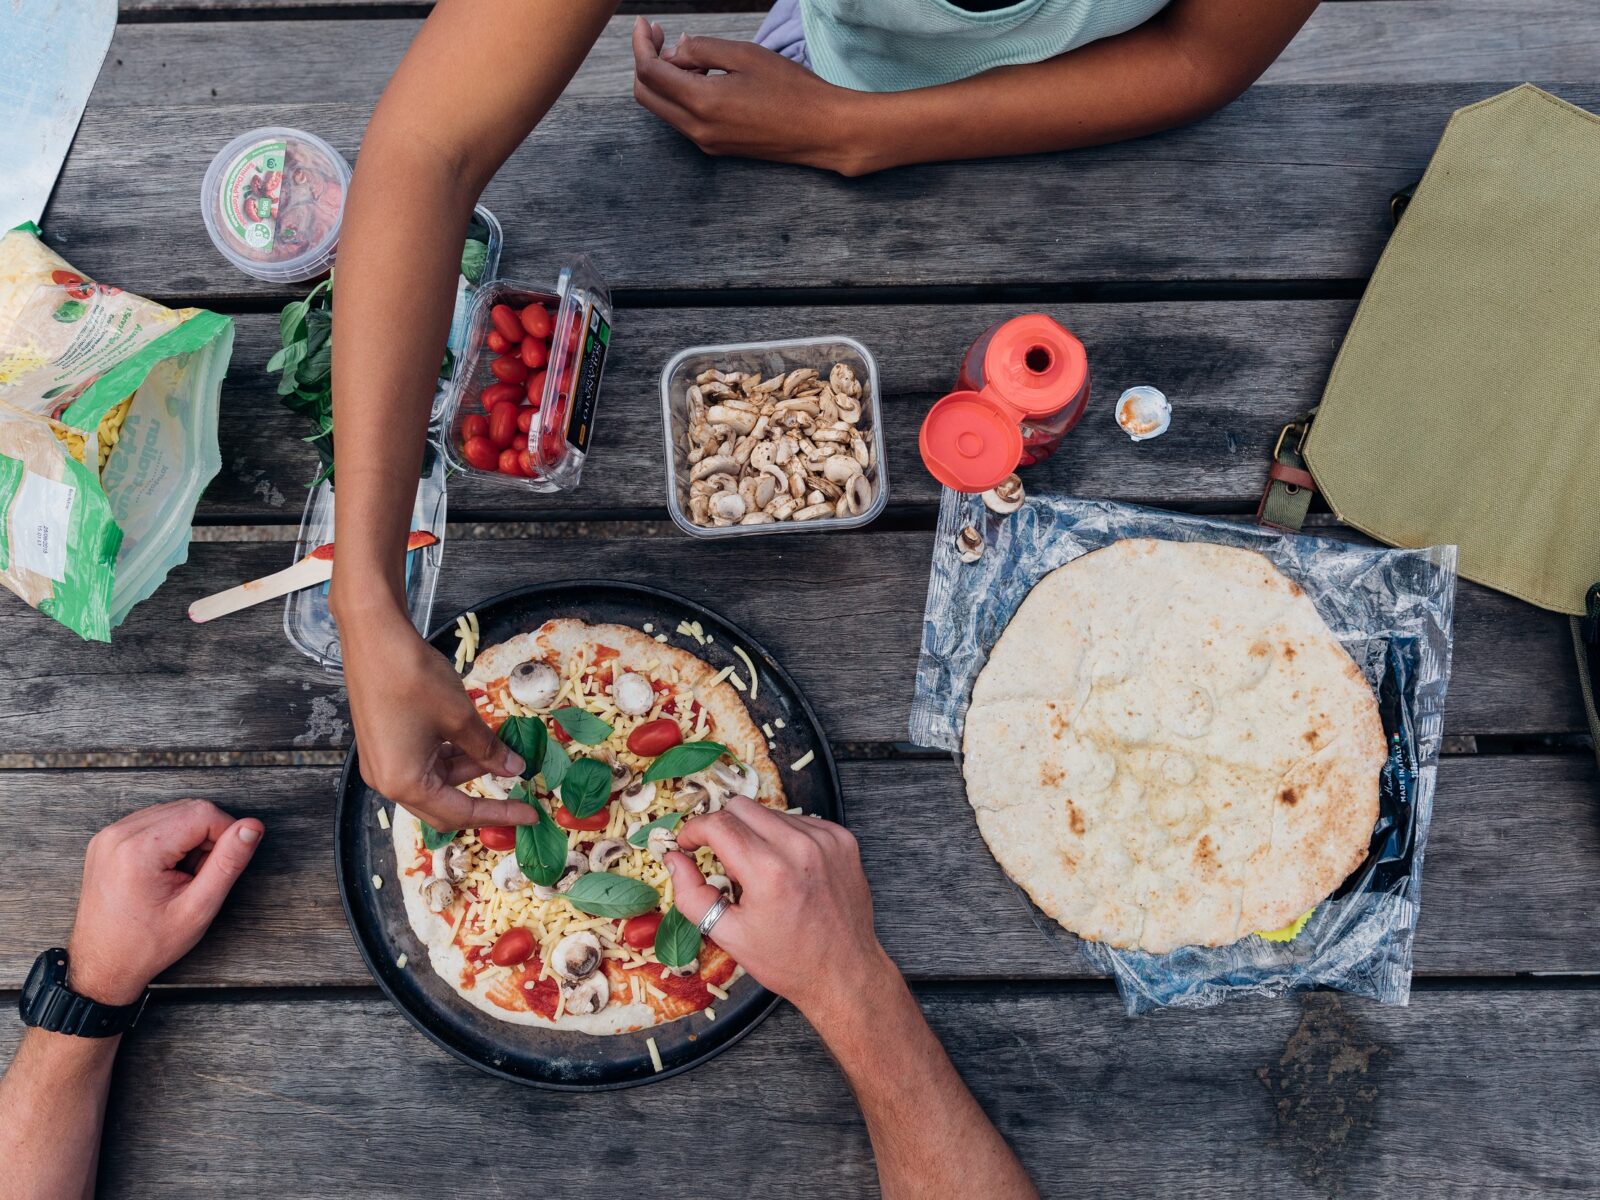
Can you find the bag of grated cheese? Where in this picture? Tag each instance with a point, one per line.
(108, 435)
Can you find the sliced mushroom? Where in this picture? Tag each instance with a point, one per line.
(637, 796)
(590, 995)
(605, 852)
(716, 465)
(729, 506)
(688, 970)
(577, 864)
(508, 876)
(633, 694)
(576, 956)
(736, 779)
(495, 787)
(450, 862)
(841, 468)
(621, 776)
(534, 684)
(722, 883)
(698, 797)
(438, 894)
(662, 842)
(1006, 496)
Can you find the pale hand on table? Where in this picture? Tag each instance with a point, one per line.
(763, 106)
(418, 731)
(803, 924)
(152, 882)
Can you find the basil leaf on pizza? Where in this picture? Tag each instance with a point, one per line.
(586, 787)
(555, 765)
(584, 726)
(434, 838)
(684, 759)
(640, 837)
(527, 736)
(677, 939)
(542, 848)
(603, 894)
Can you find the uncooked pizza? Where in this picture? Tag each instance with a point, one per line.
(569, 922)
(1168, 747)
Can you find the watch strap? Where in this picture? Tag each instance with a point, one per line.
(59, 1009)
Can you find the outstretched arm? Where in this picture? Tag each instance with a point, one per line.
(478, 78)
(1184, 63)
(152, 883)
(926, 1128)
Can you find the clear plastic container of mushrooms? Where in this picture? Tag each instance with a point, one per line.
(773, 437)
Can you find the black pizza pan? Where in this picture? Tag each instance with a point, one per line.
(564, 1060)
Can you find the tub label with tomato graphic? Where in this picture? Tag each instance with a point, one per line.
(252, 185)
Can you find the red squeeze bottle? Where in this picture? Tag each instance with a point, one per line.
(1023, 384)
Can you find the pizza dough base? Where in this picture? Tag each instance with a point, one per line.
(1168, 747)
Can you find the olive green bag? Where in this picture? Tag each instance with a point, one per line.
(1464, 406)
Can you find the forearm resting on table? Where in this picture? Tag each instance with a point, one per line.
(52, 1107)
(1175, 69)
(929, 1135)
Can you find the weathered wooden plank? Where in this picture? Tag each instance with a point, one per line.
(1364, 41)
(1288, 183)
(842, 612)
(1236, 373)
(1304, 1098)
(1511, 836)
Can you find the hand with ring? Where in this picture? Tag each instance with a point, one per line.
(784, 866)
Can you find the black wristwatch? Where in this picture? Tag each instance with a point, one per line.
(48, 1003)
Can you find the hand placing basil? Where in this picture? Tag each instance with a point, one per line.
(677, 940)
(527, 736)
(640, 837)
(584, 726)
(586, 787)
(542, 848)
(604, 894)
(684, 759)
(434, 838)
(556, 763)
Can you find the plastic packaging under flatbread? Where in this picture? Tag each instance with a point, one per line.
(1390, 609)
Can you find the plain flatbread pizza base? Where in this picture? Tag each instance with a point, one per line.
(556, 642)
(1168, 747)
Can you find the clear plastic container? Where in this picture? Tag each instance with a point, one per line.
(306, 619)
(558, 442)
(485, 228)
(273, 202)
(768, 359)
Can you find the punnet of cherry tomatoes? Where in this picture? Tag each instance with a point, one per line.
(492, 434)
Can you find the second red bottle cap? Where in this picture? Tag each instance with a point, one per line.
(969, 442)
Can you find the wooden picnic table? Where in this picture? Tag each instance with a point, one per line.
(1221, 263)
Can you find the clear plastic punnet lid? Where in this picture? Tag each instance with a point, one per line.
(273, 203)
(578, 347)
(306, 619)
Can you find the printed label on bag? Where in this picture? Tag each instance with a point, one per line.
(40, 520)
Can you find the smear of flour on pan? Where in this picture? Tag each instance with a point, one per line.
(325, 727)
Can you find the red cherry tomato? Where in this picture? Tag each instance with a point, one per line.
(640, 932)
(474, 427)
(534, 353)
(509, 463)
(525, 461)
(590, 823)
(506, 322)
(513, 946)
(560, 734)
(552, 445)
(525, 416)
(536, 320)
(481, 453)
(497, 343)
(498, 837)
(503, 425)
(499, 393)
(510, 369)
(535, 392)
(654, 737)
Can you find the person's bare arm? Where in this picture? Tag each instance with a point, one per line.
(477, 79)
(1191, 59)
(152, 883)
(803, 928)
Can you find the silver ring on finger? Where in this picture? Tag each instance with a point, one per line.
(713, 915)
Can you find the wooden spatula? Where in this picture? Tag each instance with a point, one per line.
(316, 567)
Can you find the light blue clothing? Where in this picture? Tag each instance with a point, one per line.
(892, 45)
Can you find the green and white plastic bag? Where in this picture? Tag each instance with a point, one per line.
(108, 435)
